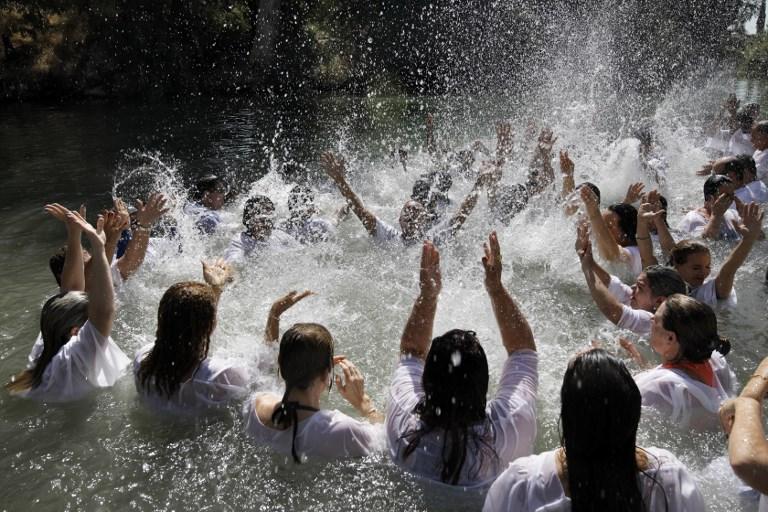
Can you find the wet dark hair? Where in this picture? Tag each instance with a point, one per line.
(664, 206)
(209, 183)
(56, 263)
(746, 115)
(695, 325)
(627, 220)
(761, 126)
(592, 187)
(599, 415)
(664, 281)
(306, 353)
(734, 165)
(421, 188)
(645, 135)
(685, 248)
(441, 180)
(747, 163)
(455, 382)
(257, 205)
(713, 183)
(299, 196)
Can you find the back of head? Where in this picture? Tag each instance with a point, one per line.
(186, 319)
(627, 220)
(747, 164)
(713, 184)
(695, 325)
(306, 352)
(455, 382)
(735, 165)
(257, 206)
(684, 249)
(60, 315)
(665, 281)
(56, 263)
(300, 197)
(600, 413)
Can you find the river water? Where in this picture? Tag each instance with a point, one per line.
(108, 453)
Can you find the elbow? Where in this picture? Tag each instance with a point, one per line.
(752, 471)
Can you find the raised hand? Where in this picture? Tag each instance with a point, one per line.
(634, 193)
(649, 213)
(583, 244)
(148, 213)
(706, 169)
(430, 280)
(334, 166)
(546, 141)
(217, 273)
(94, 234)
(121, 210)
(591, 202)
(114, 224)
(287, 301)
(567, 166)
(492, 262)
(721, 204)
(60, 213)
(752, 218)
(352, 387)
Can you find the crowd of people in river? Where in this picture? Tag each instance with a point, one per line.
(439, 423)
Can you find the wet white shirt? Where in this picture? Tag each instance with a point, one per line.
(694, 224)
(327, 433)
(707, 293)
(244, 245)
(215, 384)
(510, 421)
(685, 401)
(313, 230)
(206, 220)
(88, 361)
(758, 190)
(741, 143)
(531, 484)
(636, 320)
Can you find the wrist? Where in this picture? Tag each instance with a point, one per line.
(366, 407)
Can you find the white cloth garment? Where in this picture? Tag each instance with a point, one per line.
(388, 234)
(244, 245)
(531, 484)
(215, 384)
(312, 231)
(88, 361)
(758, 190)
(636, 320)
(763, 503)
(741, 143)
(633, 259)
(707, 293)
(687, 402)
(206, 220)
(510, 421)
(327, 433)
(761, 162)
(694, 224)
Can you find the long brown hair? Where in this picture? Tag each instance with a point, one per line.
(61, 313)
(185, 321)
(695, 325)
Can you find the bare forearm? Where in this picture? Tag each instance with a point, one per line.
(134, 253)
(569, 185)
(606, 245)
(606, 303)
(727, 274)
(515, 332)
(101, 294)
(666, 241)
(366, 217)
(110, 247)
(712, 230)
(747, 447)
(417, 335)
(644, 244)
(272, 331)
(465, 210)
(73, 273)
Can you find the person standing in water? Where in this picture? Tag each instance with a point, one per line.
(208, 198)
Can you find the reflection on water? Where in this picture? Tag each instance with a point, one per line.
(109, 453)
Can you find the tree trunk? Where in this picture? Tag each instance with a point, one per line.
(761, 18)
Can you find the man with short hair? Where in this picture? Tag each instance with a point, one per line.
(209, 196)
(260, 233)
(715, 219)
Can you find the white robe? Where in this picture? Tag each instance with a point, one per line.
(531, 484)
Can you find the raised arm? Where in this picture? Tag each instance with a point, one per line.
(466, 207)
(280, 306)
(352, 388)
(634, 193)
(101, 294)
(582, 242)
(417, 335)
(217, 273)
(645, 214)
(541, 173)
(73, 273)
(752, 218)
(606, 245)
(742, 420)
(567, 168)
(606, 303)
(717, 217)
(146, 215)
(114, 224)
(335, 168)
(515, 332)
(504, 136)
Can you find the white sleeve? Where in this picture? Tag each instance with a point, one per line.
(96, 356)
(353, 438)
(509, 493)
(384, 232)
(635, 320)
(234, 252)
(512, 411)
(692, 224)
(619, 290)
(404, 393)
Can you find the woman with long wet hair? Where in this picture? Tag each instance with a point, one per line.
(598, 466)
(295, 424)
(694, 378)
(77, 355)
(175, 373)
(440, 425)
